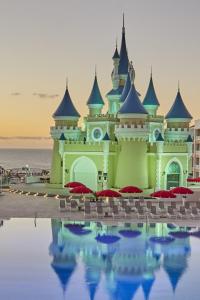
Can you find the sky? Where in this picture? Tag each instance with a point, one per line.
(43, 42)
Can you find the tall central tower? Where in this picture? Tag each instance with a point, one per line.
(122, 67)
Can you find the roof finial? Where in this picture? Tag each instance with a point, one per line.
(151, 71)
(66, 83)
(116, 42)
(95, 70)
(123, 27)
(178, 86)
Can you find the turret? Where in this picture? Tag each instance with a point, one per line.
(95, 102)
(66, 113)
(62, 140)
(159, 143)
(126, 89)
(66, 119)
(106, 148)
(119, 75)
(115, 76)
(123, 62)
(150, 101)
(132, 108)
(178, 120)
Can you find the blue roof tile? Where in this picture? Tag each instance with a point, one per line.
(132, 104)
(151, 98)
(178, 109)
(126, 88)
(95, 96)
(66, 108)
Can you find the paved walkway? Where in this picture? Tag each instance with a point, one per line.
(22, 206)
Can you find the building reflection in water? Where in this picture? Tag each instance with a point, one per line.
(126, 265)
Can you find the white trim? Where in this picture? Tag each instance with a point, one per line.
(88, 153)
(132, 116)
(66, 118)
(170, 154)
(95, 105)
(174, 120)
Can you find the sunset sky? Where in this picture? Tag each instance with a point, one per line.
(43, 42)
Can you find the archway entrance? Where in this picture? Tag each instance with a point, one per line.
(85, 171)
(173, 175)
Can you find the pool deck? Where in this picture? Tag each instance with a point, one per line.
(28, 206)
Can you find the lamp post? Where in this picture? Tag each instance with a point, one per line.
(102, 178)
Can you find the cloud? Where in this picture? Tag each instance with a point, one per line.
(15, 94)
(25, 138)
(46, 96)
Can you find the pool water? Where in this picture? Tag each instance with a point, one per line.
(54, 259)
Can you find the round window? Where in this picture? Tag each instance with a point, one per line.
(97, 134)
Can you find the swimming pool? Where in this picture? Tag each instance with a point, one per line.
(54, 259)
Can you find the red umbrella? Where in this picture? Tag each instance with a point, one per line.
(81, 190)
(130, 189)
(182, 190)
(197, 179)
(108, 193)
(73, 184)
(163, 194)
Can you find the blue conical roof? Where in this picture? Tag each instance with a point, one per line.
(123, 62)
(189, 139)
(178, 109)
(126, 88)
(66, 108)
(95, 96)
(159, 138)
(64, 275)
(125, 290)
(147, 286)
(132, 104)
(151, 98)
(175, 275)
(106, 137)
(62, 137)
(116, 54)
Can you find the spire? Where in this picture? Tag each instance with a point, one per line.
(132, 104)
(178, 109)
(151, 98)
(95, 96)
(123, 63)
(126, 88)
(66, 83)
(116, 53)
(66, 107)
(123, 27)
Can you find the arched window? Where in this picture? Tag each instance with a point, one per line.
(173, 175)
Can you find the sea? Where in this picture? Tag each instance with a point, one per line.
(17, 158)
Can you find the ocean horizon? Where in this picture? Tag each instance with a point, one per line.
(34, 158)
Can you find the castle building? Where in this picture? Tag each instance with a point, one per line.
(130, 144)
